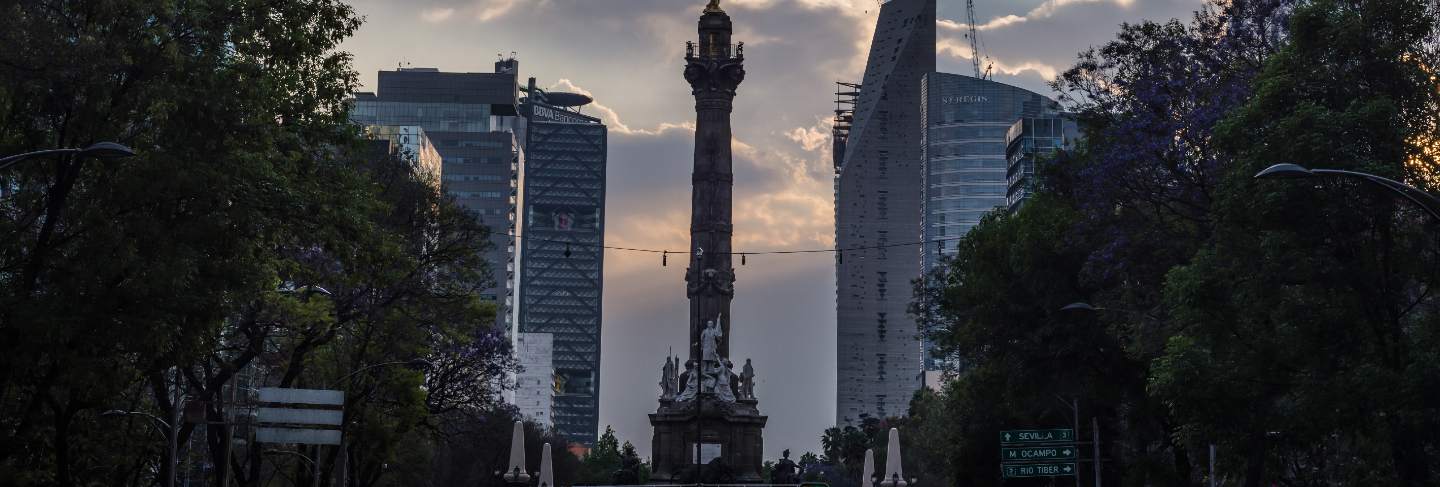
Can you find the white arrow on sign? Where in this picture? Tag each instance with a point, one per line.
(1067, 469)
(1007, 436)
(1065, 452)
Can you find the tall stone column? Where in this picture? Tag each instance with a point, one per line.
(714, 71)
(706, 410)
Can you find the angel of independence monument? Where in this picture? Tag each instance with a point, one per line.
(703, 397)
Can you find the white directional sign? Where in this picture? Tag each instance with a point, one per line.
(300, 416)
(297, 436)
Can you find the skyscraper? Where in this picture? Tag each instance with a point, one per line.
(562, 221)
(877, 203)
(535, 384)
(1029, 141)
(966, 124)
(409, 143)
(470, 118)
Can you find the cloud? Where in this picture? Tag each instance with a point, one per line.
(995, 23)
(487, 10)
(961, 49)
(812, 138)
(436, 15)
(1049, 7)
(611, 118)
(1046, 9)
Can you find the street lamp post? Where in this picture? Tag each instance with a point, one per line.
(345, 456)
(172, 431)
(66, 174)
(1074, 405)
(99, 150)
(1421, 198)
(171, 442)
(699, 431)
(314, 465)
(1094, 421)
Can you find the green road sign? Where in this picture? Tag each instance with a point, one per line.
(1037, 436)
(1037, 453)
(1016, 471)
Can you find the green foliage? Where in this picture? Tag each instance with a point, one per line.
(600, 463)
(253, 242)
(1297, 319)
(1290, 324)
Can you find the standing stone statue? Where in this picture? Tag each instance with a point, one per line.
(667, 379)
(675, 376)
(785, 470)
(747, 381)
(710, 341)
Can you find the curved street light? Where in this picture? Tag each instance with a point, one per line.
(1420, 197)
(115, 413)
(344, 457)
(314, 465)
(1080, 306)
(171, 433)
(418, 363)
(98, 150)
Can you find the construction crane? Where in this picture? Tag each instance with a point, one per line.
(975, 43)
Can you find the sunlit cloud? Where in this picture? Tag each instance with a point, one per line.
(611, 118)
(812, 138)
(1042, 11)
(487, 10)
(995, 23)
(961, 50)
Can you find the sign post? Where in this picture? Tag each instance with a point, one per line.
(1038, 453)
(301, 417)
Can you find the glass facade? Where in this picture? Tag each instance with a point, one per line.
(470, 120)
(411, 144)
(562, 256)
(1029, 140)
(966, 121)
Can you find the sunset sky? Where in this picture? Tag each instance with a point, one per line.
(628, 55)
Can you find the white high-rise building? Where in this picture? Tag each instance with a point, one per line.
(877, 203)
(535, 385)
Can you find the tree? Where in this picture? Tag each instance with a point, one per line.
(601, 462)
(253, 236)
(630, 470)
(1288, 324)
(1302, 318)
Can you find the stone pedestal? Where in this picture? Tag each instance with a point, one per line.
(734, 426)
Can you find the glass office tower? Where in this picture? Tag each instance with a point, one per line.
(471, 119)
(1029, 141)
(562, 222)
(966, 121)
